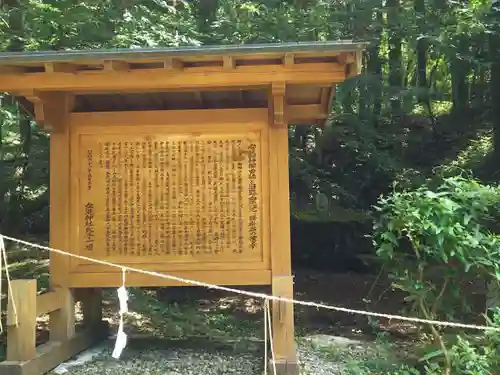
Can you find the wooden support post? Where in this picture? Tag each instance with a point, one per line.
(62, 321)
(23, 357)
(21, 322)
(282, 280)
(277, 105)
(92, 307)
(51, 109)
(283, 327)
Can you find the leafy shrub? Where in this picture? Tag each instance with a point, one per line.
(432, 240)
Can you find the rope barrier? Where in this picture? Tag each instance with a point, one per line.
(259, 295)
(3, 260)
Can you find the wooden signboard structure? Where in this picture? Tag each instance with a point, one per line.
(171, 160)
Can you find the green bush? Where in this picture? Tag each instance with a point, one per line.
(433, 240)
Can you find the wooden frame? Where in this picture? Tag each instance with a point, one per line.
(296, 84)
(158, 122)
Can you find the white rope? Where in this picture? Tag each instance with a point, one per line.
(3, 260)
(265, 336)
(260, 295)
(2, 247)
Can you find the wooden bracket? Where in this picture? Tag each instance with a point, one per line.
(52, 109)
(353, 63)
(173, 64)
(346, 58)
(114, 65)
(228, 62)
(277, 104)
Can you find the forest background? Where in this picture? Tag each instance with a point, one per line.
(411, 149)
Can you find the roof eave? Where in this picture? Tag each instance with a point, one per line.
(149, 53)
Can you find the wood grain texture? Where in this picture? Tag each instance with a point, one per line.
(170, 198)
(113, 279)
(193, 78)
(60, 200)
(21, 338)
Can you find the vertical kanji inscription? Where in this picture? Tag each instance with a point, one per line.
(180, 197)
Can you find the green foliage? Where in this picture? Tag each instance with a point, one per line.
(433, 240)
(424, 104)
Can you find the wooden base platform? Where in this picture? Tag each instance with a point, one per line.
(51, 354)
(24, 357)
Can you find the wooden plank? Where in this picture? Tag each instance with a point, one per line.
(110, 120)
(21, 322)
(162, 266)
(194, 78)
(59, 206)
(189, 117)
(48, 302)
(112, 280)
(51, 354)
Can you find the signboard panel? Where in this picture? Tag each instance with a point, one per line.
(170, 197)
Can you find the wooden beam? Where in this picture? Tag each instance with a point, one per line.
(359, 62)
(189, 78)
(51, 108)
(114, 279)
(356, 65)
(8, 69)
(186, 117)
(277, 103)
(211, 117)
(48, 302)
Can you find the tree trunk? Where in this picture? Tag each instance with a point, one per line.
(395, 55)
(494, 52)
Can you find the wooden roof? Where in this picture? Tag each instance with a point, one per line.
(184, 78)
